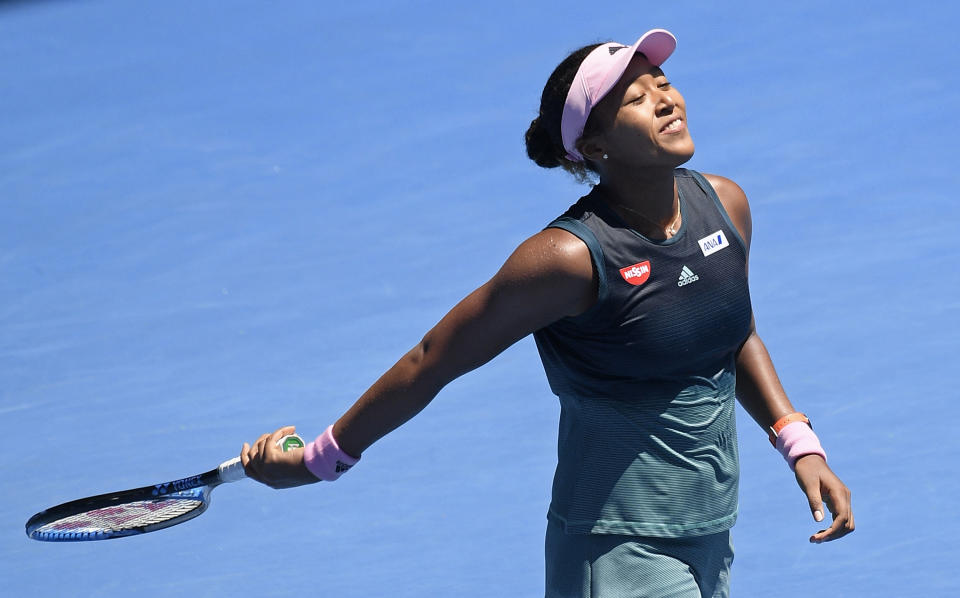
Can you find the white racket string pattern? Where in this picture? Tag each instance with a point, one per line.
(138, 511)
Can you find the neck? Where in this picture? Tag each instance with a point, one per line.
(647, 198)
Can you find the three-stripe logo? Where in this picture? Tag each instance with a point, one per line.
(687, 277)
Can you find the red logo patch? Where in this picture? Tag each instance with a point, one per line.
(636, 274)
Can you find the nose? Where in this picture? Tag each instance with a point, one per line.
(665, 103)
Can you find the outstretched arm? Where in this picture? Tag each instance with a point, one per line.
(760, 392)
(548, 277)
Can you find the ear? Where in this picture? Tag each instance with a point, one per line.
(590, 148)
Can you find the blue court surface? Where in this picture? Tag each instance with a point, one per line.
(219, 218)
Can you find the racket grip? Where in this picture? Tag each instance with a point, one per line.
(232, 470)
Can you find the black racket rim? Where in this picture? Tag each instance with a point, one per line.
(209, 479)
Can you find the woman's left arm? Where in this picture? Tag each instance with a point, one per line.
(760, 392)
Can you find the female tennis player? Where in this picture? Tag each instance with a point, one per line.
(637, 298)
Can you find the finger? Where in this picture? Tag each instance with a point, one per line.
(838, 501)
(249, 464)
(274, 440)
(283, 433)
(825, 535)
(838, 529)
(842, 512)
(260, 446)
(257, 457)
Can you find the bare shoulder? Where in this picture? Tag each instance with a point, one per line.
(556, 261)
(552, 251)
(735, 202)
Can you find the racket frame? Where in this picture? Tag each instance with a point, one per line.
(196, 487)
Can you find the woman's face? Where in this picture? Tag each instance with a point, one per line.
(643, 120)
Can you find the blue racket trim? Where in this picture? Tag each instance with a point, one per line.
(138, 511)
(125, 518)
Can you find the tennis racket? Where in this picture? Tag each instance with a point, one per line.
(133, 512)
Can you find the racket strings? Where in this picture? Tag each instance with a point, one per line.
(117, 518)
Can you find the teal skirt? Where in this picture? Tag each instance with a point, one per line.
(615, 566)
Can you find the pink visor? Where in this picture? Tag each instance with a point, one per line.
(597, 75)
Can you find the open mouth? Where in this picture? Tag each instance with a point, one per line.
(673, 126)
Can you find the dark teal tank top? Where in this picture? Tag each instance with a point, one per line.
(646, 377)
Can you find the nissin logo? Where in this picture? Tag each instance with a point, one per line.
(636, 274)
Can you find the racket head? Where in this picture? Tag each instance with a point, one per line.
(117, 515)
(133, 512)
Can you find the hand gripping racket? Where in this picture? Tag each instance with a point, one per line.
(132, 512)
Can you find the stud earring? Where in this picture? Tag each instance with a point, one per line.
(605, 156)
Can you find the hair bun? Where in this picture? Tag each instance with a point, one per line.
(544, 138)
(540, 147)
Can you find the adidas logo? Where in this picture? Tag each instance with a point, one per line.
(686, 277)
(342, 467)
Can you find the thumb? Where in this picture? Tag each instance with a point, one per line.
(809, 481)
(816, 503)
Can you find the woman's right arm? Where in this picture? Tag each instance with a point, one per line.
(548, 277)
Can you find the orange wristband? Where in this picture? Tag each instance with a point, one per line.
(784, 422)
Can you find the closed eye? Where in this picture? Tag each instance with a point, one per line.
(664, 85)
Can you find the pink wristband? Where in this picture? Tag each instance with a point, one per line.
(797, 440)
(324, 458)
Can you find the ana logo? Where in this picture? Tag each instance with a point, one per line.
(614, 49)
(636, 274)
(713, 243)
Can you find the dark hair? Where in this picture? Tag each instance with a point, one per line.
(543, 138)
